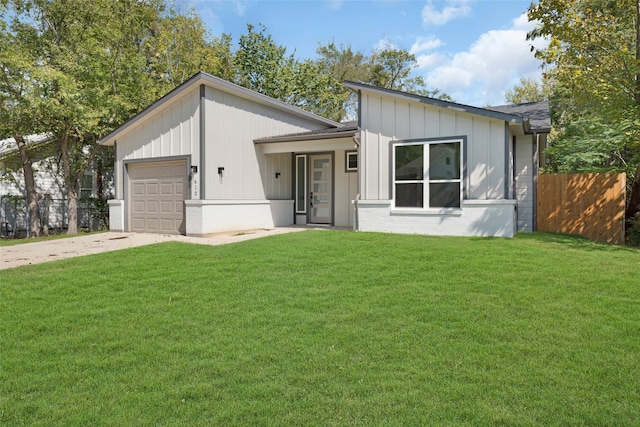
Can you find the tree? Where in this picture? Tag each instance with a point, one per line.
(262, 65)
(594, 58)
(16, 113)
(93, 64)
(391, 69)
(530, 90)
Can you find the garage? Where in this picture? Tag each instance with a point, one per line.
(157, 191)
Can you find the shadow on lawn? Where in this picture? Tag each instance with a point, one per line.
(575, 242)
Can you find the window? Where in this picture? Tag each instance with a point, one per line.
(86, 186)
(427, 174)
(301, 184)
(351, 161)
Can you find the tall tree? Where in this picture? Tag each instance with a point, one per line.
(17, 118)
(391, 69)
(594, 55)
(262, 65)
(530, 90)
(95, 63)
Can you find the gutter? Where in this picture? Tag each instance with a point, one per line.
(356, 222)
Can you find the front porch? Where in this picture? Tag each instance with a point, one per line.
(323, 169)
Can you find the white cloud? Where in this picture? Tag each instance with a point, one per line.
(335, 4)
(424, 43)
(493, 64)
(453, 9)
(383, 44)
(241, 7)
(428, 61)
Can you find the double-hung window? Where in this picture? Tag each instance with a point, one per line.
(427, 174)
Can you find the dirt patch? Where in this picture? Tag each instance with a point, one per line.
(38, 252)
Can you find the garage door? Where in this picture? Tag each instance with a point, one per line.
(157, 192)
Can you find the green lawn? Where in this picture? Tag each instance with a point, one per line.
(326, 328)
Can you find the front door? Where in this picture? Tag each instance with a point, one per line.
(321, 188)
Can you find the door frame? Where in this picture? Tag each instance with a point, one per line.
(309, 156)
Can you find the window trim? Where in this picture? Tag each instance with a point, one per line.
(462, 139)
(348, 154)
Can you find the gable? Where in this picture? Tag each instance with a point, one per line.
(207, 80)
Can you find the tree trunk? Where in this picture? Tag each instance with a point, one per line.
(71, 184)
(30, 186)
(633, 202)
(638, 53)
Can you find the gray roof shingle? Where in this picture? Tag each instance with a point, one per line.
(537, 113)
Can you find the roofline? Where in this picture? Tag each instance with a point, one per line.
(218, 83)
(307, 137)
(512, 118)
(33, 141)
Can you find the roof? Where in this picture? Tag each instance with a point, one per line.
(223, 85)
(537, 113)
(8, 146)
(490, 113)
(344, 130)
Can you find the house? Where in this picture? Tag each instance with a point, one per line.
(211, 157)
(49, 186)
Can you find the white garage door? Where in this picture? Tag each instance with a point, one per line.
(157, 191)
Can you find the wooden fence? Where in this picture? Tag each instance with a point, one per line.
(589, 205)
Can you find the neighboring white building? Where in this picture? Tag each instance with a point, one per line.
(212, 156)
(49, 186)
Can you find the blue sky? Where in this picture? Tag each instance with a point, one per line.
(473, 50)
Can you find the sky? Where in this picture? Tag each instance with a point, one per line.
(472, 50)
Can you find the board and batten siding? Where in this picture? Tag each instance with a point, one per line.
(524, 178)
(172, 131)
(385, 119)
(232, 123)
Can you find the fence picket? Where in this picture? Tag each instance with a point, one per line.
(589, 205)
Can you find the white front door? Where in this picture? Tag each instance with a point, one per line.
(321, 189)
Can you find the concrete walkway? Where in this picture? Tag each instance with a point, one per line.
(51, 250)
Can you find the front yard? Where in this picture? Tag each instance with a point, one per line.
(326, 328)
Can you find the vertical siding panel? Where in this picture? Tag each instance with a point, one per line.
(374, 131)
(431, 122)
(401, 115)
(478, 160)
(447, 123)
(416, 121)
(495, 160)
(174, 131)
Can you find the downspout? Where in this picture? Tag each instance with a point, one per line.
(356, 222)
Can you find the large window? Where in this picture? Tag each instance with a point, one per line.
(427, 174)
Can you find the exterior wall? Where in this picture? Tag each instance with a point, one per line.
(232, 124)
(385, 118)
(524, 179)
(171, 131)
(116, 215)
(487, 208)
(205, 217)
(276, 188)
(345, 191)
(50, 188)
(476, 218)
(222, 139)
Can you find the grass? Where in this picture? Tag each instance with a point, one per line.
(326, 328)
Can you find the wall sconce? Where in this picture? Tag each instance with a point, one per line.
(194, 169)
(220, 171)
(277, 175)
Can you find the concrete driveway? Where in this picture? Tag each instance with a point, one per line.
(38, 252)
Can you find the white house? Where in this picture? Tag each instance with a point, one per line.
(49, 186)
(211, 156)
